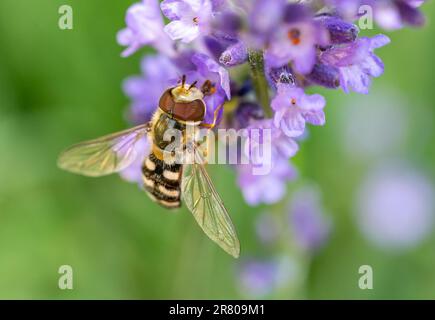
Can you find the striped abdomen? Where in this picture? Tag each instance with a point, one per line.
(162, 181)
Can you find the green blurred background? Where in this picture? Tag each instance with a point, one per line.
(60, 87)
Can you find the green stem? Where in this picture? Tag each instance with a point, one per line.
(261, 87)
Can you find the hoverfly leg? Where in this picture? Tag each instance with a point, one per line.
(215, 117)
(148, 126)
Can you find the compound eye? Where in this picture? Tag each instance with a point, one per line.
(191, 111)
(166, 102)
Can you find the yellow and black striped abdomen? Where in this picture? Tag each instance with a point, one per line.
(162, 181)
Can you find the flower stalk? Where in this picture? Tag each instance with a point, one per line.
(261, 87)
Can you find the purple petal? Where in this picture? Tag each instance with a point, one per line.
(197, 5)
(295, 13)
(354, 78)
(293, 124)
(266, 15)
(316, 118)
(280, 102)
(388, 16)
(213, 102)
(183, 30)
(144, 27)
(379, 41)
(134, 87)
(373, 66)
(313, 102)
(207, 65)
(174, 9)
(305, 63)
(410, 15)
(287, 147)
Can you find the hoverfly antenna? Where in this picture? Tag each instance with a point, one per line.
(183, 80)
(192, 85)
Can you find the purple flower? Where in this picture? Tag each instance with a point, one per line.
(189, 18)
(356, 62)
(146, 90)
(297, 40)
(259, 278)
(264, 179)
(267, 228)
(263, 134)
(265, 188)
(265, 16)
(293, 108)
(144, 27)
(395, 206)
(208, 69)
(309, 225)
(218, 42)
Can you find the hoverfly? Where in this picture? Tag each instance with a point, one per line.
(165, 183)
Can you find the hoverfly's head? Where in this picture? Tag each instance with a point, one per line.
(184, 102)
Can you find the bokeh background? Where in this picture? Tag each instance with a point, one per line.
(371, 166)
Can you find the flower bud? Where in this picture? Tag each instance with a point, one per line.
(234, 55)
(339, 30)
(324, 75)
(410, 14)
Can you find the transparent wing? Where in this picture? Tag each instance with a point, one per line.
(202, 199)
(103, 156)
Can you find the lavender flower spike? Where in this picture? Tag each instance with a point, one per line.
(253, 61)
